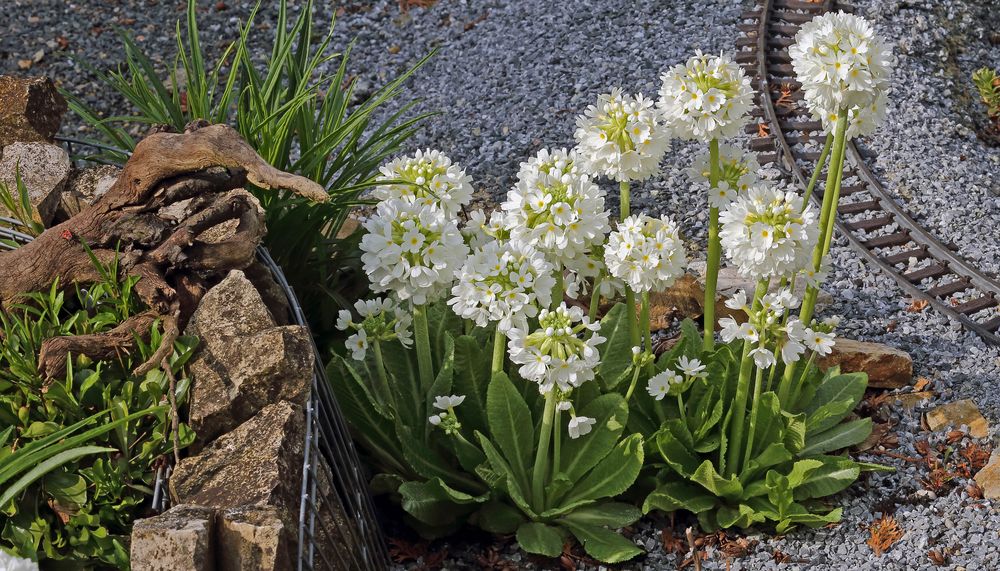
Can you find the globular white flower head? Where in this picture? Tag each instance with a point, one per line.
(504, 284)
(580, 425)
(381, 319)
(561, 353)
(481, 229)
(737, 173)
(555, 207)
(706, 98)
(10, 563)
(842, 65)
(428, 178)
(411, 250)
(646, 253)
(765, 233)
(622, 137)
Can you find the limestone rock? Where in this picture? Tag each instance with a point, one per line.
(988, 478)
(44, 169)
(179, 538)
(31, 109)
(887, 367)
(244, 361)
(956, 414)
(85, 186)
(257, 464)
(253, 538)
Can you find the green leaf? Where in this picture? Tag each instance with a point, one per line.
(833, 475)
(39, 429)
(46, 466)
(742, 516)
(835, 398)
(614, 515)
(433, 502)
(385, 483)
(581, 454)
(613, 475)
(498, 517)
(69, 489)
(675, 454)
(539, 538)
(795, 431)
(602, 544)
(501, 467)
(511, 426)
(711, 480)
(840, 436)
(674, 496)
(616, 351)
(472, 377)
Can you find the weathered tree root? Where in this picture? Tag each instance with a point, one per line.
(173, 189)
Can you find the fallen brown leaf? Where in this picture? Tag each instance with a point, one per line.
(921, 384)
(884, 532)
(917, 305)
(938, 557)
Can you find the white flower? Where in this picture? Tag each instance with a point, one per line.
(446, 402)
(562, 351)
(502, 283)
(646, 253)
(343, 319)
(564, 405)
(582, 272)
(738, 302)
(767, 234)
(737, 173)
(691, 367)
(428, 178)
(480, 230)
(555, 207)
(659, 384)
(420, 274)
(622, 137)
(763, 358)
(706, 98)
(358, 344)
(437, 418)
(819, 342)
(10, 563)
(842, 65)
(381, 320)
(580, 425)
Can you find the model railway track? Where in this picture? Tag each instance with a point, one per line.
(785, 134)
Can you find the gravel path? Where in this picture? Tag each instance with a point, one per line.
(511, 77)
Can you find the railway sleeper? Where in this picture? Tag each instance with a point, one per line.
(993, 324)
(888, 240)
(904, 257)
(975, 305)
(950, 288)
(870, 224)
(932, 270)
(859, 207)
(799, 5)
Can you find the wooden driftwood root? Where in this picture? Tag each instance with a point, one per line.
(174, 188)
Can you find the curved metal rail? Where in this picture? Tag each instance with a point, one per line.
(874, 224)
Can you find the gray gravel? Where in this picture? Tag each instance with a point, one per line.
(511, 77)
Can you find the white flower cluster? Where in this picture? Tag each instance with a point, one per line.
(766, 233)
(646, 253)
(561, 352)
(381, 320)
(555, 208)
(481, 229)
(706, 98)
(446, 420)
(412, 250)
(673, 383)
(502, 283)
(842, 65)
(428, 178)
(622, 137)
(737, 173)
(764, 329)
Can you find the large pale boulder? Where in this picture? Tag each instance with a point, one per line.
(253, 538)
(988, 478)
(44, 169)
(887, 367)
(31, 109)
(244, 361)
(180, 538)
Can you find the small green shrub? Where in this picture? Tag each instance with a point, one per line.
(67, 495)
(988, 84)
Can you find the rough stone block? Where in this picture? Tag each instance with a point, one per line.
(180, 538)
(253, 538)
(31, 109)
(44, 169)
(887, 367)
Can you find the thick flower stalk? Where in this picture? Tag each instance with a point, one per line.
(622, 137)
(428, 178)
(555, 208)
(737, 174)
(411, 250)
(561, 353)
(767, 233)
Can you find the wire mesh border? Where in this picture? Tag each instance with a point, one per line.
(329, 457)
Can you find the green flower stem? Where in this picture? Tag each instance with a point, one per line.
(595, 297)
(797, 389)
(633, 327)
(819, 168)
(499, 350)
(540, 472)
(714, 250)
(558, 290)
(742, 394)
(754, 412)
(647, 334)
(682, 409)
(635, 381)
(422, 342)
(556, 443)
(383, 379)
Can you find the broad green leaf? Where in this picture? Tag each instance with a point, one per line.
(385, 483)
(428, 462)
(511, 485)
(773, 455)
(613, 475)
(39, 429)
(801, 470)
(770, 423)
(602, 544)
(472, 377)
(742, 516)
(614, 515)
(498, 517)
(581, 454)
(69, 489)
(711, 480)
(511, 426)
(795, 431)
(539, 538)
(674, 496)
(840, 436)
(804, 517)
(835, 398)
(373, 429)
(675, 454)
(434, 503)
(468, 455)
(616, 351)
(833, 475)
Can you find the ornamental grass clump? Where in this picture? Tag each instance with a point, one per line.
(572, 417)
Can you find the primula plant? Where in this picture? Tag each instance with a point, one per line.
(571, 418)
